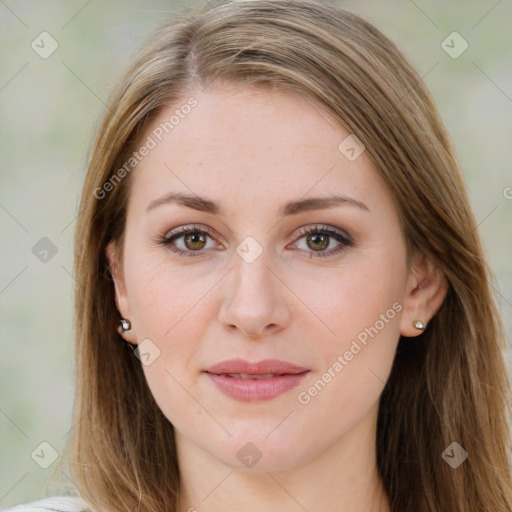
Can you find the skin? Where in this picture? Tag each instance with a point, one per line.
(250, 150)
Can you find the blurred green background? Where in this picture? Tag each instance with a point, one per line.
(49, 110)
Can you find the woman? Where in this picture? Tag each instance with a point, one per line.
(283, 302)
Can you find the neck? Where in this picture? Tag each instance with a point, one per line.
(344, 478)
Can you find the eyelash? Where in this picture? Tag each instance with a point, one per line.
(344, 240)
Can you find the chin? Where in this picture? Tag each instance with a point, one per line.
(257, 452)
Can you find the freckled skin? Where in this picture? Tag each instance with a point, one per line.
(250, 151)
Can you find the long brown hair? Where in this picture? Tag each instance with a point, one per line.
(447, 385)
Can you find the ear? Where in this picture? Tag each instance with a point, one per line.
(121, 296)
(426, 289)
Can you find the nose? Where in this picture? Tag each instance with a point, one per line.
(254, 299)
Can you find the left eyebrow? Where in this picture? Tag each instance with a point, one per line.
(291, 208)
(320, 203)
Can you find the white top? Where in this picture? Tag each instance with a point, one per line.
(52, 503)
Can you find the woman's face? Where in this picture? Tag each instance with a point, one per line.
(275, 269)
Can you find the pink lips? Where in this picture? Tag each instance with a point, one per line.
(251, 382)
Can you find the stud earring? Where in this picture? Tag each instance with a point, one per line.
(124, 325)
(419, 324)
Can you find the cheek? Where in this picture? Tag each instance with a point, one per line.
(361, 311)
(363, 293)
(170, 307)
(164, 297)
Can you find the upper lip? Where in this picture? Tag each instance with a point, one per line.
(258, 368)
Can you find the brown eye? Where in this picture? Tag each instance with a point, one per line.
(317, 242)
(187, 241)
(318, 238)
(194, 241)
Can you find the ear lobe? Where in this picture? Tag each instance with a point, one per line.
(426, 290)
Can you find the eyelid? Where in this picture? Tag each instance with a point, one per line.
(189, 228)
(184, 230)
(342, 237)
(313, 228)
(299, 232)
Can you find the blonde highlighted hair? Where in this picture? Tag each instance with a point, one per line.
(447, 385)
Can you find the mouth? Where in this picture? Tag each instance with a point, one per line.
(250, 382)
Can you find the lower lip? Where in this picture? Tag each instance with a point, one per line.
(252, 390)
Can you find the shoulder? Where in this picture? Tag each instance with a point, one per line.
(53, 503)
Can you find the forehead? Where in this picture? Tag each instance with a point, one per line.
(250, 144)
